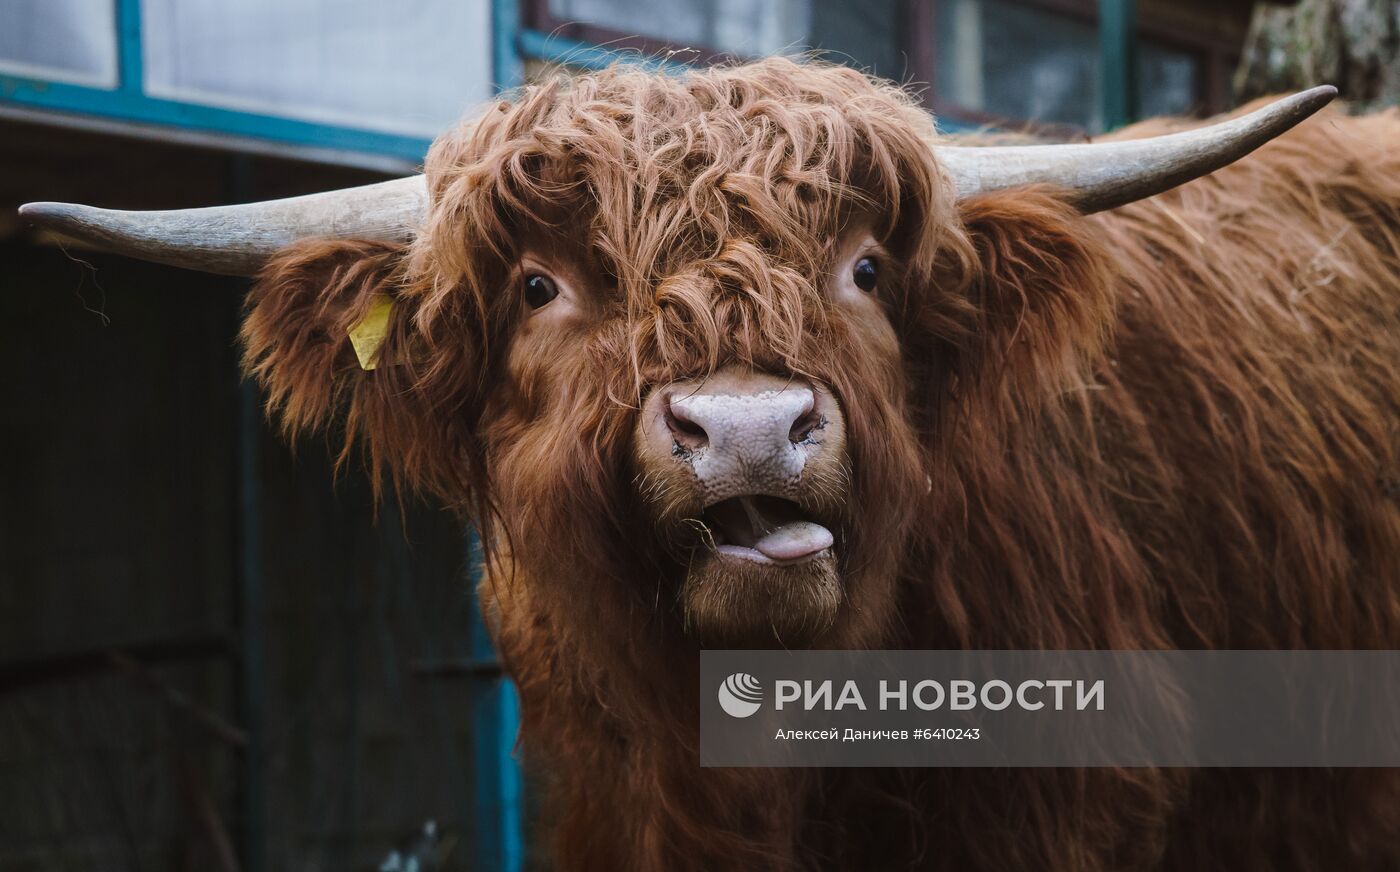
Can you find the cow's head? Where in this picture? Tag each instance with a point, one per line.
(684, 343)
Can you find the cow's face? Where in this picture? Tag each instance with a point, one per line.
(761, 479)
(699, 395)
(729, 436)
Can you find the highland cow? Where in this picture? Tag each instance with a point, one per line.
(752, 357)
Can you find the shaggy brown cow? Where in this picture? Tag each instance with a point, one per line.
(734, 358)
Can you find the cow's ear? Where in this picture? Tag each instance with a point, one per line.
(329, 334)
(1026, 300)
(297, 326)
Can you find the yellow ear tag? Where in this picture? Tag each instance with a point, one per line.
(367, 334)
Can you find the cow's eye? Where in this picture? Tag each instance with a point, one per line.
(539, 290)
(865, 274)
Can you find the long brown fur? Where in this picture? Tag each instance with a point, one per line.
(1169, 426)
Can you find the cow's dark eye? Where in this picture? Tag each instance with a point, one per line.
(539, 290)
(865, 274)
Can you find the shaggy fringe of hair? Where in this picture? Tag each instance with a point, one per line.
(1170, 425)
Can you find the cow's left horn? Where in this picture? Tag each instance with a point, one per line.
(238, 240)
(1107, 174)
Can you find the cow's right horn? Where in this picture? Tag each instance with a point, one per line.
(238, 240)
(1102, 175)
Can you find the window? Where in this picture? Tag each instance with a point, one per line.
(72, 41)
(1016, 62)
(865, 35)
(1169, 80)
(738, 27)
(411, 68)
(1012, 60)
(988, 61)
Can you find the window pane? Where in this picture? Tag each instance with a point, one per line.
(60, 40)
(1167, 80)
(413, 66)
(1017, 62)
(866, 35)
(741, 27)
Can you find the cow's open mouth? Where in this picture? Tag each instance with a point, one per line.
(766, 530)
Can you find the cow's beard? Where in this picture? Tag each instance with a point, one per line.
(737, 603)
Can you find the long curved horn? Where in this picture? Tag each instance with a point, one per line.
(238, 240)
(1108, 174)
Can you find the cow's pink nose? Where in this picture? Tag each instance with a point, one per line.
(768, 417)
(742, 433)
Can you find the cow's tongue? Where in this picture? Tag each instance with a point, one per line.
(794, 540)
(772, 527)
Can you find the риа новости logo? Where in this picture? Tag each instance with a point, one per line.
(740, 695)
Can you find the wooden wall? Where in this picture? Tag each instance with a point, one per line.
(121, 530)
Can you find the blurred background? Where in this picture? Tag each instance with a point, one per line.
(213, 654)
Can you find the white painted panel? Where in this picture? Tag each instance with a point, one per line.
(408, 66)
(60, 40)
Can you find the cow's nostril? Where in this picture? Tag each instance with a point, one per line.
(804, 425)
(684, 429)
